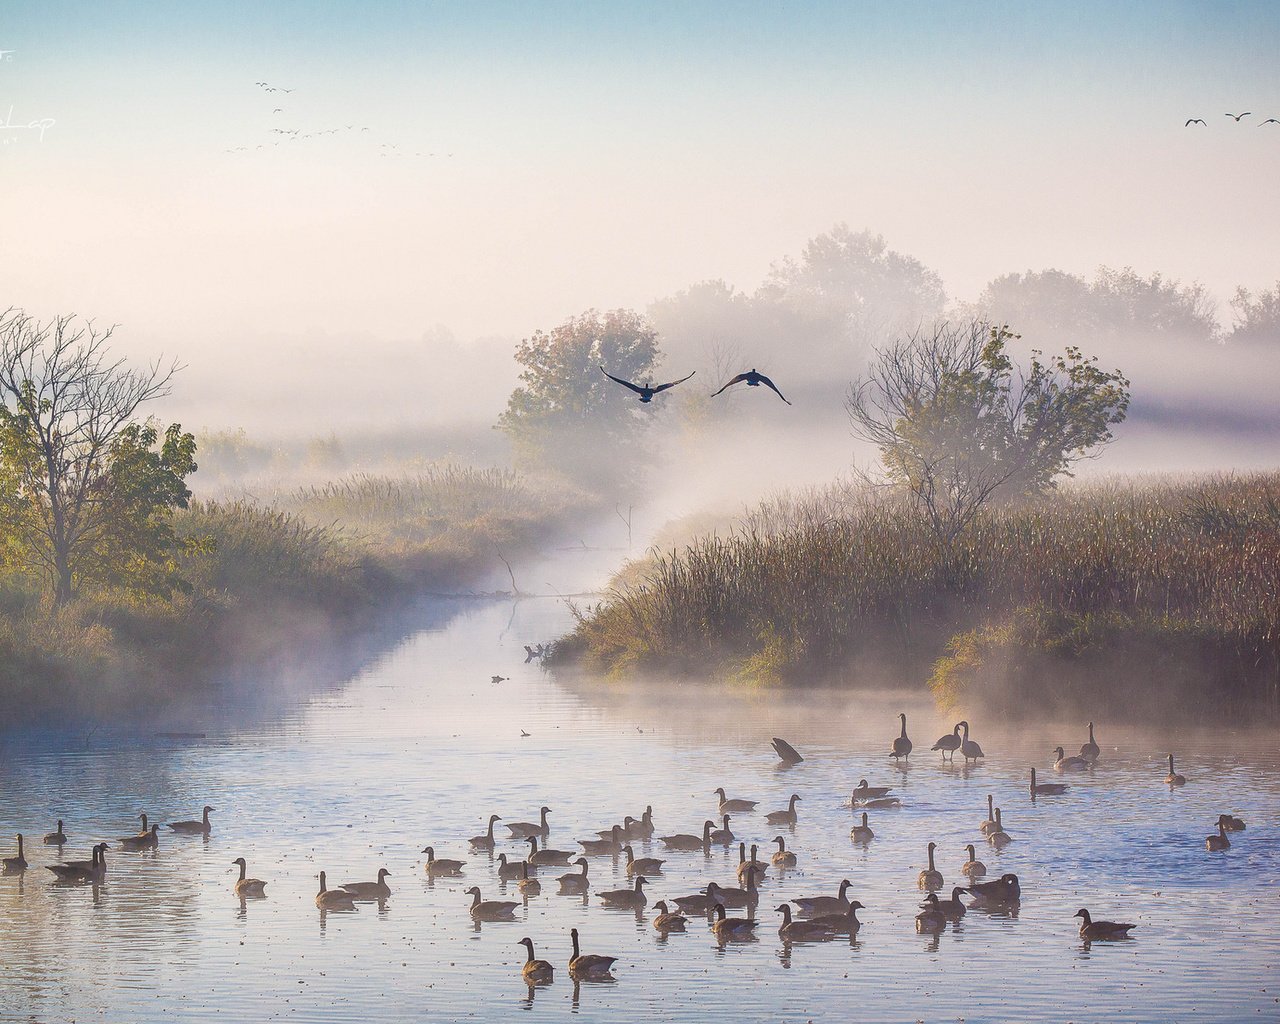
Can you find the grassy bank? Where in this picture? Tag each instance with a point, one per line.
(265, 582)
(1159, 598)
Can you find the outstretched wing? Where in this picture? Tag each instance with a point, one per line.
(624, 383)
(1270, 120)
(772, 387)
(663, 387)
(1193, 120)
(736, 380)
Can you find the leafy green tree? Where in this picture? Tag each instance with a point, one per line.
(957, 425)
(86, 491)
(566, 413)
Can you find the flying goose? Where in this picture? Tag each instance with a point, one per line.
(727, 929)
(930, 877)
(1220, 841)
(968, 748)
(1173, 778)
(642, 865)
(862, 833)
(525, 829)
(1270, 120)
(972, 868)
(586, 966)
(786, 751)
(787, 817)
(248, 886)
(436, 866)
(485, 841)
(1046, 788)
(683, 841)
(666, 921)
(901, 744)
(575, 881)
(1091, 929)
(333, 899)
(949, 743)
(13, 865)
(1090, 750)
(646, 391)
(490, 910)
(727, 805)
(56, 838)
(814, 906)
(753, 379)
(1068, 764)
(1193, 120)
(539, 857)
(801, 931)
(193, 828)
(536, 972)
(632, 899)
(1236, 116)
(378, 890)
(784, 858)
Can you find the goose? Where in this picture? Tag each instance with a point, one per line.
(12, 865)
(1218, 842)
(628, 828)
(843, 924)
(930, 877)
(786, 751)
(815, 906)
(999, 838)
(972, 868)
(192, 828)
(333, 899)
(92, 870)
(525, 829)
(378, 890)
(642, 829)
(490, 910)
(528, 886)
(880, 803)
(588, 965)
(953, 907)
(149, 840)
(510, 868)
(684, 841)
(801, 931)
(1173, 778)
(1002, 892)
(990, 825)
(787, 817)
(723, 836)
(968, 748)
(1046, 788)
(862, 833)
(1231, 824)
(1090, 750)
(863, 792)
(642, 865)
(143, 832)
(949, 743)
(747, 897)
(56, 838)
(437, 866)
(649, 389)
(753, 379)
(607, 833)
(744, 865)
(666, 921)
(727, 805)
(784, 858)
(536, 972)
(931, 919)
(575, 881)
(1068, 764)
(537, 857)
(1091, 929)
(901, 745)
(700, 902)
(598, 847)
(248, 886)
(485, 841)
(727, 929)
(632, 899)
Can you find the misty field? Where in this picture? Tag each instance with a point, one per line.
(1157, 598)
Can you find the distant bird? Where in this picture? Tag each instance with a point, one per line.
(786, 751)
(754, 379)
(949, 742)
(1220, 841)
(968, 748)
(1237, 116)
(646, 392)
(278, 110)
(1270, 120)
(1194, 120)
(901, 745)
(1091, 929)
(524, 735)
(1174, 778)
(1090, 750)
(499, 679)
(1046, 788)
(194, 827)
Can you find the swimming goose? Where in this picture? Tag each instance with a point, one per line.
(536, 972)
(1231, 824)
(930, 877)
(149, 840)
(744, 865)
(144, 828)
(525, 829)
(607, 833)
(12, 865)
(436, 866)
(723, 836)
(633, 899)
(333, 899)
(901, 745)
(1046, 788)
(490, 910)
(999, 838)
(786, 751)
(784, 858)
(787, 817)
(539, 857)
(509, 868)
(727, 929)
(1220, 841)
(1002, 892)
(815, 906)
(1090, 751)
(683, 841)
(862, 833)
(990, 825)
(801, 931)
(747, 897)
(666, 921)
(194, 828)
(601, 847)
(972, 868)
(485, 841)
(528, 886)
(92, 870)
(949, 743)
(734, 805)
(843, 924)
(57, 838)
(588, 965)
(1068, 764)
(378, 890)
(952, 908)
(248, 886)
(575, 881)
(700, 902)
(863, 792)
(642, 865)
(1173, 778)
(931, 919)
(642, 829)
(1091, 929)
(968, 748)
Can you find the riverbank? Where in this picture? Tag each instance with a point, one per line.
(270, 591)
(1123, 597)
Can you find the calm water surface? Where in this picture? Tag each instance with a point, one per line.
(420, 748)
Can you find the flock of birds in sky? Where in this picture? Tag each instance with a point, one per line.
(1235, 117)
(752, 378)
(815, 918)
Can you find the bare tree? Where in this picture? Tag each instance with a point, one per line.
(64, 407)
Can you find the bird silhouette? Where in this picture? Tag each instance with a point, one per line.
(646, 392)
(1238, 116)
(1194, 120)
(754, 379)
(1270, 120)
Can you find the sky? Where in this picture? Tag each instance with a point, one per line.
(577, 155)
